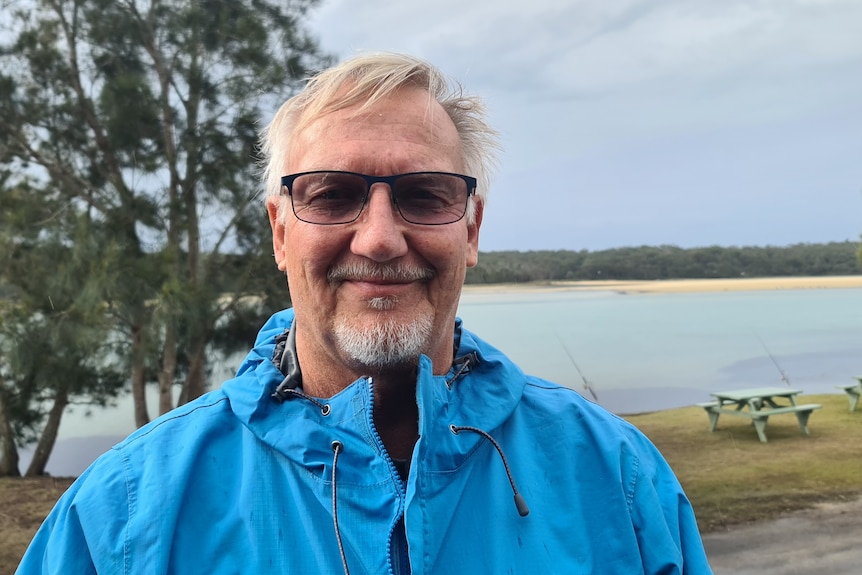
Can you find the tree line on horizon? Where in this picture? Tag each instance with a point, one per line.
(668, 262)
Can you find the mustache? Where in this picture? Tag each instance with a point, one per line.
(366, 270)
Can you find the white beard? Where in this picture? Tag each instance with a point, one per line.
(384, 344)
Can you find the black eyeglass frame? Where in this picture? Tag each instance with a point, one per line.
(288, 181)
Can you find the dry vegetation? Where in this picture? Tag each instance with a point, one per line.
(24, 503)
(730, 477)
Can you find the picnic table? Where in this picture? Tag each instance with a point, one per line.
(758, 404)
(853, 391)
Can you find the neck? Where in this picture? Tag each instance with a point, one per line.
(396, 415)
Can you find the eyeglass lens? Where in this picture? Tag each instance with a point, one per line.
(338, 197)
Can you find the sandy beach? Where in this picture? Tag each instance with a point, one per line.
(676, 286)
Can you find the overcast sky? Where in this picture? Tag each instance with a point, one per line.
(647, 122)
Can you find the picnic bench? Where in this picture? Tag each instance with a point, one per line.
(758, 404)
(853, 391)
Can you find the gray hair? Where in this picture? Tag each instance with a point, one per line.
(367, 79)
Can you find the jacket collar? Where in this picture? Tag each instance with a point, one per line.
(483, 393)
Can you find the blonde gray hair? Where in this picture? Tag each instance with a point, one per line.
(364, 80)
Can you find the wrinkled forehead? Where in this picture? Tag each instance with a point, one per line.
(409, 119)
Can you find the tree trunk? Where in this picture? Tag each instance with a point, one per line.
(167, 376)
(194, 386)
(49, 434)
(8, 450)
(139, 377)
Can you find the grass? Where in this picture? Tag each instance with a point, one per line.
(730, 477)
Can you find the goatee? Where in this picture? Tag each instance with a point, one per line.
(386, 344)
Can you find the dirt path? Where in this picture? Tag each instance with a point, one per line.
(826, 539)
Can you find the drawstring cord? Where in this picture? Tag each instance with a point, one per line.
(520, 504)
(464, 365)
(337, 447)
(282, 392)
(285, 359)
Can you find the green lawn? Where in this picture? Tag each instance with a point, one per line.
(732, 478)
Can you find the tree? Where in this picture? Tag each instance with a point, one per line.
(144, 115)
(55, 330)
(8, 449)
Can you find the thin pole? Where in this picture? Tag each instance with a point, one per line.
(784, 376)
(587, 385)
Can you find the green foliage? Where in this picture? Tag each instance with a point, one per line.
(667, 262)
(54, 324)
(135, 124)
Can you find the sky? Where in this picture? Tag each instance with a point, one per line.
(646, 122)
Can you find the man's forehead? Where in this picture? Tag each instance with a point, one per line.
(409, 116)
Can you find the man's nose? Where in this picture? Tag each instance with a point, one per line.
(380, 228)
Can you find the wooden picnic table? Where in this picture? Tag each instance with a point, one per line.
(853, 391)
(758, 404)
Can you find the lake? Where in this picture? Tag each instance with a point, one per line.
(652, 351)
(640, 351)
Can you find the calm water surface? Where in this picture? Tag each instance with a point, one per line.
(654, 351)
(641, 352)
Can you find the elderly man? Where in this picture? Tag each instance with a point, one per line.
(368, 432)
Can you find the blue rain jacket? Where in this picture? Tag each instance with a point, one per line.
(237, 482)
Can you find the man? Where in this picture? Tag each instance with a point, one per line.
(368, 431)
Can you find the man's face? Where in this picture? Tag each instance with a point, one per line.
(378, 290)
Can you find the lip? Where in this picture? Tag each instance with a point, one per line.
(377, 288)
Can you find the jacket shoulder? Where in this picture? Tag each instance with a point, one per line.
(568, 414)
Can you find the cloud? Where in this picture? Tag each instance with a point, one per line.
(680, 121)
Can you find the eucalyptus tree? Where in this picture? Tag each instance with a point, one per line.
(145, 115)
(61, 354)
(8, 447)
(55, 330)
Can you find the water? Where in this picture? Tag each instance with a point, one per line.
(653, 351)
(641, 352)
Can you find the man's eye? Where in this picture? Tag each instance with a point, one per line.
(332, 194)
(425, 196)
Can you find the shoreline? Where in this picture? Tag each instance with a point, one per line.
(674, 286)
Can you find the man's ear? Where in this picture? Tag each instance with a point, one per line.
(473, 234)
(277, 226)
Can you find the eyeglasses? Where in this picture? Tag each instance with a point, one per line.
(329, 197)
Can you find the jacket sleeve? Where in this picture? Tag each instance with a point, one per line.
(663, 518)
(85, 531)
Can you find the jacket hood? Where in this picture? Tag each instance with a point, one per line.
(481, 389)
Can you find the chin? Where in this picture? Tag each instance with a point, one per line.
(386, 343)
(384, 303)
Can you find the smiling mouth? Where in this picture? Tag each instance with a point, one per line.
(377, 275)
(374, 290)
